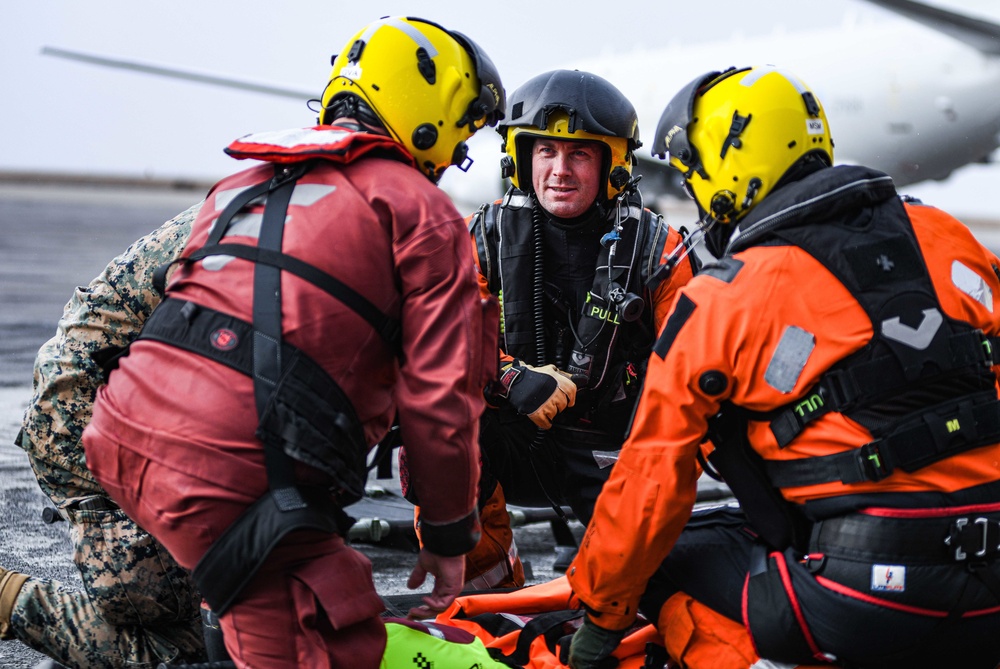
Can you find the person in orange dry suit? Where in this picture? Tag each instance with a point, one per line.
(841, 355)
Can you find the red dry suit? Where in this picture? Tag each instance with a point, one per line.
(173, 435)
(854, 337)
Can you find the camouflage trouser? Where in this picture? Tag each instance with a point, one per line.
(138, 607)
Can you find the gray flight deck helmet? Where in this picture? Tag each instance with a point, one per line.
(573, 105)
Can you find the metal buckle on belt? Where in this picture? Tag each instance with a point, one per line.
(973, 538)
(872, 462)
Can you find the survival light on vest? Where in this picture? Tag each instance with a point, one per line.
(629, 305)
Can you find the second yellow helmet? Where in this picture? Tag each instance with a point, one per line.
(734, 134)
(430, 87)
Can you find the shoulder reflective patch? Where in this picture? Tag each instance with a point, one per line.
(216, 263)
(917, 338)
(224, 197)
(245, 225)
(678, 317)
(305, 195)
(789, 359)
(973, 285)
(723, 270)
(605, 459)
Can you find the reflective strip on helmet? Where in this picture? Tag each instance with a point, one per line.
(756, 73)
(403, 26)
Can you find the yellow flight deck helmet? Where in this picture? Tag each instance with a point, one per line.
(734, 134)
(575, 105)
(430, 87)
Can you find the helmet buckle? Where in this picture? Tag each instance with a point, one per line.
(355, 53)
(737, 127)
(426, 65)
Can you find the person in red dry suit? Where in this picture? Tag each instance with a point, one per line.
(841, 355)
(322, 291)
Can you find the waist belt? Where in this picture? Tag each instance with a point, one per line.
(973, 537)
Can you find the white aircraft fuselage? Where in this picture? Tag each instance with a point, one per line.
(899, 97)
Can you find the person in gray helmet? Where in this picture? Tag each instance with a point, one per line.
(569, 251)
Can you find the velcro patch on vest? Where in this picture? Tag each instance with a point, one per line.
(682, 312)
(725, 269)
(885, 261)
(789, 359)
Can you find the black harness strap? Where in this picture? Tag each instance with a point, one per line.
(221, 225)
(946, 430)
(233, 559)
(387, 328)
(267, 358)
(868, 382)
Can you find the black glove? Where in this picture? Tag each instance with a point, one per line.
(539, 393)
(592, 646)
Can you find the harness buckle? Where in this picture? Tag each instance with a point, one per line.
(986, 348)
(873, 463)
(973, 538)
(841, 388)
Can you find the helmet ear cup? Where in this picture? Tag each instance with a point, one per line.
(424, 136)
(506, 167)
(619, 177)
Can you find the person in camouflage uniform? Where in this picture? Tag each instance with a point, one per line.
(138, 607)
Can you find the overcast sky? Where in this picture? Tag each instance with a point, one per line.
(58, 115)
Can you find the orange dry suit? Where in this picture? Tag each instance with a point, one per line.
(841, 357)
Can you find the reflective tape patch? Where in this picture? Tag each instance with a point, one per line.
(605, 459)
(789, 359)
(973, 285)
(888, 577)
(245, 225)
(216, 263)
(918, 338)
(224, 197)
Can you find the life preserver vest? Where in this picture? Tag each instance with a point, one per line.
(303, 413)
(507, 249)
(923, 386)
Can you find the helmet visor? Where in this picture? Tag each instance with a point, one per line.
(488, 108)
(671, 139)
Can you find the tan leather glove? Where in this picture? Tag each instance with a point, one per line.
(539, 393)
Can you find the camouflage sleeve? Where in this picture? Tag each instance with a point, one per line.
(109, 312)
